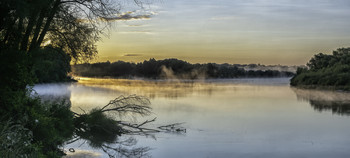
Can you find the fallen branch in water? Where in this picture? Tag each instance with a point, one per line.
(138, 129)
(173, 128)
(131, 104)
(100, 127)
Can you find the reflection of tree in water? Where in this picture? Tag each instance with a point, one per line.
(320, 100)
(118, 148)
(341, 108)
(103, 128)
(125, 149)
(100, 127)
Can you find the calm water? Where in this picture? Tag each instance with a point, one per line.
(223, 118)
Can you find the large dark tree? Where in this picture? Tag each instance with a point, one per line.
(26, 26)
(38, 39)
(72, 25)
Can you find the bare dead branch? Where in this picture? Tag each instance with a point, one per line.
(131, 104)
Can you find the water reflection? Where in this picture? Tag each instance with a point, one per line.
(321, 100)
(101, 134)
(82, 154)
(225, 118)
(121, 148)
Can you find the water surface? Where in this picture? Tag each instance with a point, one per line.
(223, 118)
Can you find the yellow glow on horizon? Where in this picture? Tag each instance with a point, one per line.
(116, 49)
(230, 32)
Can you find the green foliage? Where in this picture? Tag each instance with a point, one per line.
(97, 128)
(38, 131)
(14, 79)
(25, 27)
(35, 129)
(15, 140)
(51, 124)
(326, 70)
(50, 65)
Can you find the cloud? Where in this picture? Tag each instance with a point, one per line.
(135, 25)
(130, 15)
(132, 55)
(136, 32)
(224, 18)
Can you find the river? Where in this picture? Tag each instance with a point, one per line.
(223, 118)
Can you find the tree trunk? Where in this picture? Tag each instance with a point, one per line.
(37, 28)
(32, 20)
(18, 33)
(47, 24)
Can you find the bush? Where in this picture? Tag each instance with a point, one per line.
(97, 128)
(16, 140)
(39, 129)
(51, 125)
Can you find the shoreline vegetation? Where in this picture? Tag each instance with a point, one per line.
(179, 69)
(38, 41)
(331, 72)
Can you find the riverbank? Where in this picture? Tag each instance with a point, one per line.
(319, 87)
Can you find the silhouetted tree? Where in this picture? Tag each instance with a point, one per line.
(38, 39)
(72, 25)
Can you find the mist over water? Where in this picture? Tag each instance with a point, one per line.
(169, 74)
(225, 118)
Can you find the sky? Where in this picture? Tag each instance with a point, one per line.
(286, 32)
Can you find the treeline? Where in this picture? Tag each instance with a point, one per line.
(332, 71)
(170, 68)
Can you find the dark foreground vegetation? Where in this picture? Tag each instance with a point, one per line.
(171, 69)
(38, 40)
(325, 71)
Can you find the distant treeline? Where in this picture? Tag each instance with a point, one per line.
(170, 69)
(324, 70)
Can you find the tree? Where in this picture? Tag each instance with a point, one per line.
(72, 25)
(328, 71)
(37, 37)
(319, 61)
